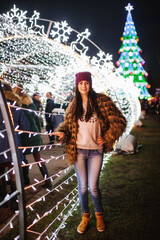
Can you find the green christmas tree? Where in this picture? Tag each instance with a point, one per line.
(130, 62)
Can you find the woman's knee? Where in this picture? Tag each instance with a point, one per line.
(83, 188)
(94, 190)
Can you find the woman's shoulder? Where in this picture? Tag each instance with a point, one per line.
(101, 97)
(105, 101)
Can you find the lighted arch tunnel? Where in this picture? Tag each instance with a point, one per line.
(46, 55)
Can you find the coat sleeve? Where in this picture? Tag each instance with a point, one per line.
(116, 123)
(38, 123)
(49, 108)
(36, 117)
(23, 122)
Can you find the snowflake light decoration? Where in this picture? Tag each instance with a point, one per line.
(17, 16)
(61, 31)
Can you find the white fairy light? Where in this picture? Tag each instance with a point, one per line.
(5, 155)
(24, 149)
(10, 221)
(36, 180)
(30, 208)
(40, 164)
(57, 189)
(7, 196)
(39, 148)
(16, 238)
(33, 188)
(1, 134)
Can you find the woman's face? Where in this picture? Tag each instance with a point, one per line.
(83, 87)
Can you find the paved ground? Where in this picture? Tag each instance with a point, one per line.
(53, 166)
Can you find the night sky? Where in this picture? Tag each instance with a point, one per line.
(105, 20)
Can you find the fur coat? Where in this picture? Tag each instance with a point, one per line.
(112, 127)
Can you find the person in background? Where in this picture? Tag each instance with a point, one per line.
(37, 102)
(158, 108)
(48, 109)
(33, 140)
(18, 118)
(91, 126)
(17, 90)
(69, 98)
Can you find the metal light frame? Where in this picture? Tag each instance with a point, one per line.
(17, 167)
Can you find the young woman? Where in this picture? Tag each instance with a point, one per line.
(91, 126)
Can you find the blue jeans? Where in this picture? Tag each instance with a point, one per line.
(88, 168)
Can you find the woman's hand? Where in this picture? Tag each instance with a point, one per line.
(100, 141)
(59, 134)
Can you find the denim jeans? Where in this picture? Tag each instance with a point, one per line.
(88, 168)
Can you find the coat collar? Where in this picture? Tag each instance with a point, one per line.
(26, 99)
(13, 97)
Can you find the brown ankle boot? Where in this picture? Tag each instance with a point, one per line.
(100, 221)
(84, 223)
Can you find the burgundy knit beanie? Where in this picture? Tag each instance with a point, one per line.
(83, 76)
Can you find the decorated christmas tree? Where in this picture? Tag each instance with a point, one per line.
(130, 62)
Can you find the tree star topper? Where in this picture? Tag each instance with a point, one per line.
(129, 7)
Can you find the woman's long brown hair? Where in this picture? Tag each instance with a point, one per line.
(92, 106)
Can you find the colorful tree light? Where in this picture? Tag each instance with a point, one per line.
(130, 62)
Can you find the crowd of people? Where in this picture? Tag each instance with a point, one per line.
(152, 106)
(29, 118)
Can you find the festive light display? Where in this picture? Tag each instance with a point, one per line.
(130, 62)
(46, 59)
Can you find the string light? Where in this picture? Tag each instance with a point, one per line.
(59, 216)
(68, 73)
(2, 135)
(6, 174)
(49, 191)
(51, 210)
(10, 222)
(62, 225)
